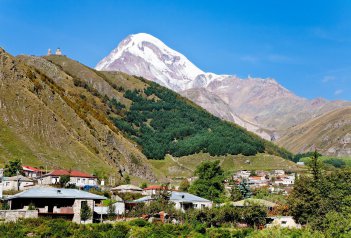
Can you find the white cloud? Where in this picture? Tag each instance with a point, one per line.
(328, 78)
(338, 92)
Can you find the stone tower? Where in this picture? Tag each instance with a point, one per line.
(49, 51)
(58, 51)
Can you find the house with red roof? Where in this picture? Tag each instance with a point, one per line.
(32, 172)
(154, 189)
(78, 178)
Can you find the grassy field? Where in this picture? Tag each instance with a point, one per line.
(173, 168)
(347, 160)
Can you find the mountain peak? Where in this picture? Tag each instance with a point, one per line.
(145, 55)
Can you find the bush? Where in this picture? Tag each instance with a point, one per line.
(139, 223)
(337, 163)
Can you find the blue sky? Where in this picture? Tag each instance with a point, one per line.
(304, 45)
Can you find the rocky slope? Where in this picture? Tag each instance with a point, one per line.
(46, 120)
(260, 105)
(329, 133)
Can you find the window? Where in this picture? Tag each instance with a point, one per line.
(284, 222)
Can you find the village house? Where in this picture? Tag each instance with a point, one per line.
(32, 172)
(77, 178)
(127, 188)
(285, 180)
(278, 172)
(154, 189)
(50, 202)
(182, 201)
(18, 182)
(257, 181)
(243, 174)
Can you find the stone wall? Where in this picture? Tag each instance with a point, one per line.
(76, 210)
(14, 215)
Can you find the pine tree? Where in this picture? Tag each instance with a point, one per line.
(85, 211)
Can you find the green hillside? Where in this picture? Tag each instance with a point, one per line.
(163, 122)
(58, 113)
(173, 167)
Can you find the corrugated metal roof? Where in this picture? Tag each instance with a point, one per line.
(141, 200)
(56, 193)
(21, 178)
(186, 197)
(176, 197)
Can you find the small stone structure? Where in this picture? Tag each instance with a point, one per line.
(77, 208)
(14, 215)
(58, 51)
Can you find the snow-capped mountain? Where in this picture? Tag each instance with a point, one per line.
(144, 55)
(262, 106)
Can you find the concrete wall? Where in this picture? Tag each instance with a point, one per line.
(14, 215)
(12, 185)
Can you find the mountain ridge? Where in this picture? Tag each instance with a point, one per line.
(329, 133)
(264, 103)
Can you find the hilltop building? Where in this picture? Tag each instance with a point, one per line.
(58, 51)
(49, 51)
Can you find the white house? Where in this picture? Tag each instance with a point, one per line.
(32, 172)
(77, 178)
(181, 200)
(278, 172)
(154, 189)
(18, 182)
(286, 180)
(242, 174)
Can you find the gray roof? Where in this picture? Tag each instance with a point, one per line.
(56, 193)
(176, 197)
(186, 197)
(21, 178)
(127, 187)
(142, 199)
